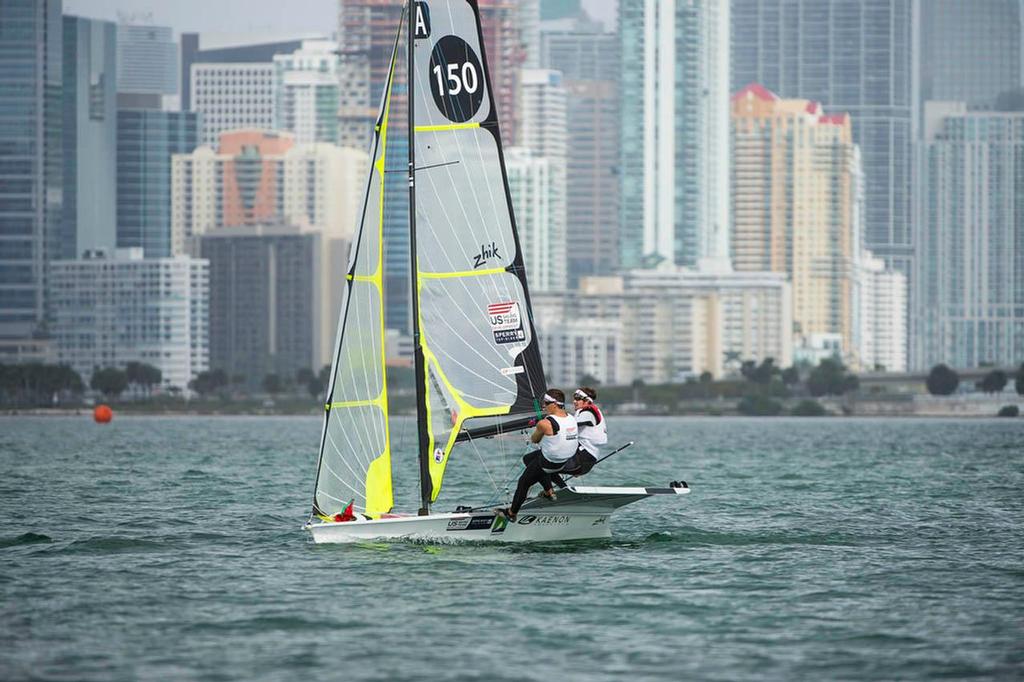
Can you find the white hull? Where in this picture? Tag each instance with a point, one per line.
(579, 513)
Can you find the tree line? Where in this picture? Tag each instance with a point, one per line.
(37, 384)
(942, 380)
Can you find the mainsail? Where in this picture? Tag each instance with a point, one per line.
(477, 350)
(355, 445)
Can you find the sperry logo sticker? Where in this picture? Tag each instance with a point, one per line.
(506, 322)
(487, 252)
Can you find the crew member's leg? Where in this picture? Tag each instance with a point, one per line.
(571, 468)
(587, 462)
(545, 478)
(533, 474)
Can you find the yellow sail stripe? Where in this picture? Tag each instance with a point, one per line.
(461, 273)
(448, 126)
(379, 401)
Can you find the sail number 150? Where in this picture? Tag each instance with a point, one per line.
(458, 79)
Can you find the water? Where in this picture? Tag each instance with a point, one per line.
(170, 548)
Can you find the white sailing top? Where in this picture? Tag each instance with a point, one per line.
(592, 428)
(561, 446)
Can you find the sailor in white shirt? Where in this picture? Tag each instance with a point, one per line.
(593, 433)
(557, 435)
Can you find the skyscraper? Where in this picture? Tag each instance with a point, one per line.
(306, 92)
(146, 140)
(589, 61)
(196, 50)
(258, 176)
(540, 218)
(970, 49)
(265, 300)
(147, 65)
(232, 96)
(855, 57)
(31, 171)
(796, 190)
(883, 316)
(675, 131)
(969, 284)
(90, 136)
(539, 176)
(112, 308)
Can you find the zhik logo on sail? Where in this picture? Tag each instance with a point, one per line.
(487, 252)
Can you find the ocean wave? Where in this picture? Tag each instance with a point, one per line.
(25, 539)
(113, 545)
(698, 536)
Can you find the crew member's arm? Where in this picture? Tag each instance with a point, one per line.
(543, 429)
(585, 418)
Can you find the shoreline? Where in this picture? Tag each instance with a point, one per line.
(86, 412)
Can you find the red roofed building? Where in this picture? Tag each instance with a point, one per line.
(797, 190)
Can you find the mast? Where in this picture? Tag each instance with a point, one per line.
(421, 375)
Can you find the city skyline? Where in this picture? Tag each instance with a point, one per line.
(619, 149)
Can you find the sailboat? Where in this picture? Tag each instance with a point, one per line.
(478, 370)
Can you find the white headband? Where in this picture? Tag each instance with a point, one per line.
(549, 399)
(580, 395)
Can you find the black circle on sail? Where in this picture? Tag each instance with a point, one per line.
(456, 79)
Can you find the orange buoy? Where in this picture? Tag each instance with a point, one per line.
(102, 414)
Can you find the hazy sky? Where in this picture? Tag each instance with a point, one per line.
(240, 16)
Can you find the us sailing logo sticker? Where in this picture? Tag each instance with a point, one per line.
(506, 322)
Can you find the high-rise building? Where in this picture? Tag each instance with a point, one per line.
(265, 300)
(257, 177)
(551, 10)
(854, 57)
(147, 65)
(263, 178)
(109, 311)
(539, 178)
(242, 183)
(796, 206)
(669, 324)
(89, 136)
(224, 50)
(31, 169)
(306, 92)
(232, 96)
(970, 49)
(529, 33)
(675, 131)
(968, 290)
(882, 295)
(540, 217)
(146, 140)
(589, 62)
(579, 351)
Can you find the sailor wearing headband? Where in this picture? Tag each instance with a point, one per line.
(557, 435)
(593, 432)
